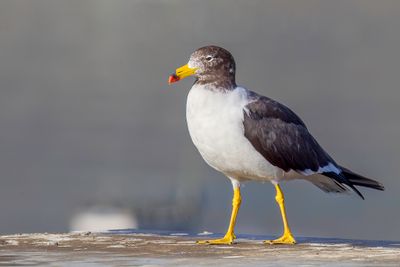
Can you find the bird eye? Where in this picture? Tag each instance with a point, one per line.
(209, 58)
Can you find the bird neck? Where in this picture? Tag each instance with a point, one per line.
(220, 83)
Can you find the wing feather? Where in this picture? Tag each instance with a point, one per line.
(282, 138)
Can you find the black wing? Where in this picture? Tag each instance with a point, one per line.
(282, 138)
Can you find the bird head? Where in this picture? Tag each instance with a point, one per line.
(209, 64)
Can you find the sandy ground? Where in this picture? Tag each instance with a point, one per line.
(134, 248)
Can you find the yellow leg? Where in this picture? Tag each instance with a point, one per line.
(230, 235)
(287, 237)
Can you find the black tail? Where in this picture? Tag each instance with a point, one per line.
(351, 179)
(359, 180)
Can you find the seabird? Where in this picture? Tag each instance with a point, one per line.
(250, 137)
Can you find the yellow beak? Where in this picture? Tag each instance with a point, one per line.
(181, 73)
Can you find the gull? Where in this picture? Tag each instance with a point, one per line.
(250, 137)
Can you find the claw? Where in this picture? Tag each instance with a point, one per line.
(286, 239)
(226, 240)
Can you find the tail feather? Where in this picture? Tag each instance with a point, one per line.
(342, 180)
(359, 180)
(351, 179)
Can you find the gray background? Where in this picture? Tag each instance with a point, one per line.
(87, 117)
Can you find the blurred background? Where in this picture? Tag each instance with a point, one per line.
(93, 137)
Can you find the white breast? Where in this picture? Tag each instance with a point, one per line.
(215, 121)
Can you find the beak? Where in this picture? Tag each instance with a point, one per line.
(181, 73)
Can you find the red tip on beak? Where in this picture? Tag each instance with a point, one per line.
(173, 78)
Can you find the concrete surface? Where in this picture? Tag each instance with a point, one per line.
(141, 248)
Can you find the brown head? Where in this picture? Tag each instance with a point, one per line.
(211, 65)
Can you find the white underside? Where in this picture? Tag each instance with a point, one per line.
(215, 122)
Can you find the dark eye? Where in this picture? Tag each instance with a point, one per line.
(209, 58)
